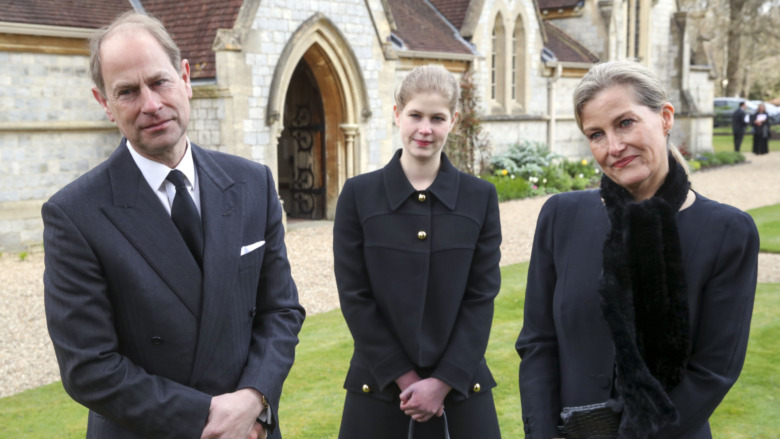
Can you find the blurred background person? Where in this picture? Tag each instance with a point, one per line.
(739, 122)
(761, 130)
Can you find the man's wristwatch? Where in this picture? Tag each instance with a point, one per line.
(265, 417)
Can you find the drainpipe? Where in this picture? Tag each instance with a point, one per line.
(551, 104)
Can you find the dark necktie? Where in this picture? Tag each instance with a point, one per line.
(185, 215)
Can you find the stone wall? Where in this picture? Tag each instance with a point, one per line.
(51, 131)
(206, 115)
(46, 88)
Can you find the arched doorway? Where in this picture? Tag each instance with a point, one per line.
(301, 149)
(335, 79)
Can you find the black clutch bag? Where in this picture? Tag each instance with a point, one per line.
(594, 421)
(446, 428)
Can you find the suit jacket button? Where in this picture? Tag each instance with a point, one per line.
(366, 388)
(476, 388)
(603, 381)
(422, 235)
(421, 197)
(253, 311)
(156, 340)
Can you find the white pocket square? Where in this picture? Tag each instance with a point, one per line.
(251, 247)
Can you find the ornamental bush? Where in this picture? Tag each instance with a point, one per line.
(529, 169)
(540, 171)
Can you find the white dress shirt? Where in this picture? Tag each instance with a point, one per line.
(155, 173)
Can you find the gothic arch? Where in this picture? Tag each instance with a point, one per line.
(498, 61)
(320, 44)
(520, 63)
(320, 31)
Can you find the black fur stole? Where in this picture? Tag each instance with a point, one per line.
(644, 301)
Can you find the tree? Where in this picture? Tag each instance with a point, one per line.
(736, 8)
(739, 36)
(469, 149)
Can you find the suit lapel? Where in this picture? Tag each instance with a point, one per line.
(138, 215)
(220, 199)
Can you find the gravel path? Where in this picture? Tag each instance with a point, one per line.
(27, 359)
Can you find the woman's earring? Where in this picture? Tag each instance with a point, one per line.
(669, 133)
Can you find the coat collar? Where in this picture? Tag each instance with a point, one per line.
(444, 187)
(138, 214)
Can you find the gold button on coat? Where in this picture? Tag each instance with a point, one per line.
(477, 387)
(421, 198)
(366, 389)
(422, 235)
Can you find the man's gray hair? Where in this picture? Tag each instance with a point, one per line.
(130, 20)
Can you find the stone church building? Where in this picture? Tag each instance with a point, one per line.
(306, 86)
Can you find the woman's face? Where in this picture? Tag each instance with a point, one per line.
(424, 123)
(628, 139)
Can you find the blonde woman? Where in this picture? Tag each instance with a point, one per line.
(640, 294)
(416, 248)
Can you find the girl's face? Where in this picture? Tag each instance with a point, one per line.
(628, 139)
(424, 123)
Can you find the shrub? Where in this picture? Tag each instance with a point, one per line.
(529, 169)
(542, 171)
(509, 188)
(524, 159)
(556, 178)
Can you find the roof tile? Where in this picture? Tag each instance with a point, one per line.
(565, 47)
(453, 10)
(193, 25)
(90, 14)
(558, 4)
(422, 28)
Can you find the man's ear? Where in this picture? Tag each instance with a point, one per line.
(103, 102)
(185, 76)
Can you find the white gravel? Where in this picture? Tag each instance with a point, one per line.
(27, 358)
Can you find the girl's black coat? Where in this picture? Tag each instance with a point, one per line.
(417, 272)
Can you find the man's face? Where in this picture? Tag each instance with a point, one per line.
(145, 96)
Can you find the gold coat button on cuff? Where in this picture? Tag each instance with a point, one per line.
(421, 198)
(477, 388)
(366, 389)
(422, 235)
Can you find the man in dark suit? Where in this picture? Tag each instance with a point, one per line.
(168, 293)
(739, 121)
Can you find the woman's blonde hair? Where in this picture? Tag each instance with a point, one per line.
(426, 79)
(647, 88)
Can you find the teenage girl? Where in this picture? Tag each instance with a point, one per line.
(416, 248)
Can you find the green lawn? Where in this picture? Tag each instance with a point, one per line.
(725, 142)
(767, 220)
(44, 412)
(751, 407)
(313, 395)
